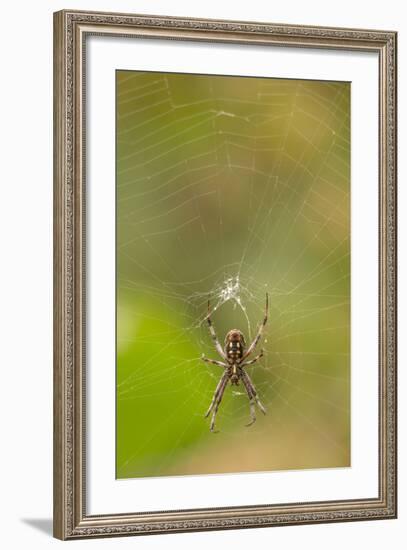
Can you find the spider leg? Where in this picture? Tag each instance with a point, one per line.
(253, 360)
(213, 362)
(251, 392)
(217, 398)
(259, 332)
(213, 334)
(216, 393)
(215, 410)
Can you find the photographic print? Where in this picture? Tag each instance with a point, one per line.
(224, 274)
(232, 274)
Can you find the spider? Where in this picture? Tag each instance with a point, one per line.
(235, 355)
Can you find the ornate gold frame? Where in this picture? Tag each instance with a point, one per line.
(70, 518)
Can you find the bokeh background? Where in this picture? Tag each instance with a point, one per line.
(228, 187)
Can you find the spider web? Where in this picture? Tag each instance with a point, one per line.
(228, 187)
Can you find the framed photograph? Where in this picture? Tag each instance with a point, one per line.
(225, 274)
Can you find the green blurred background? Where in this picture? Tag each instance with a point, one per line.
(228, 187)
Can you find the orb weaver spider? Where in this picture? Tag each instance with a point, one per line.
(235, 355)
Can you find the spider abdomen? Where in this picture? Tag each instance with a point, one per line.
(234, 345)
(234, 351)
